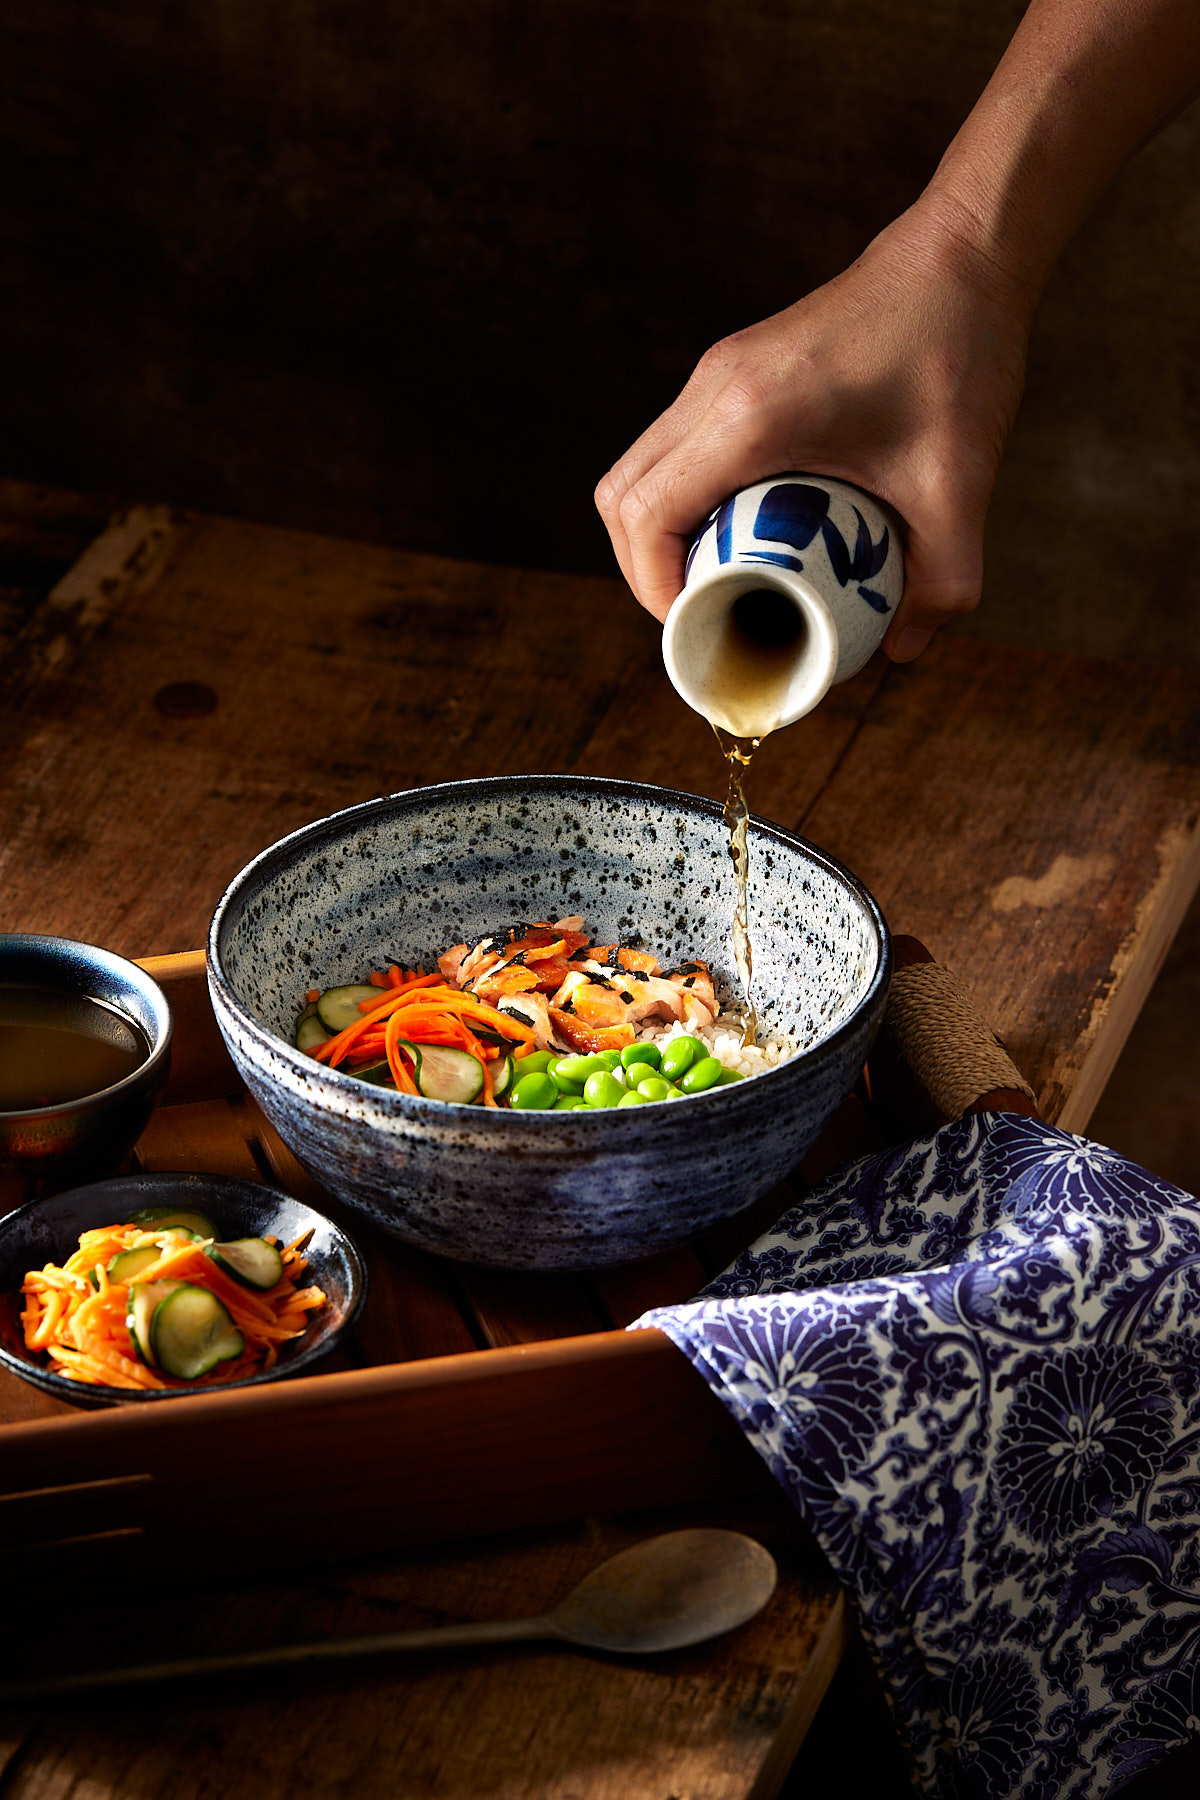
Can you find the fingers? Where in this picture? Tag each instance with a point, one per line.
(663, 511)
(612, 490)
(943, 567)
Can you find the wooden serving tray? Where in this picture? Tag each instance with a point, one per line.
(465, 1400)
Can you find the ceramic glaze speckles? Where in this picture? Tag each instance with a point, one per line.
(402, 878)
(830, 558)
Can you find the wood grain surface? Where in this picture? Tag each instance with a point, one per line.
(529, 1723)
(1032, 818)
(192, 689)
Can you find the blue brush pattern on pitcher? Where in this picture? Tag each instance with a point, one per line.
(834, 551)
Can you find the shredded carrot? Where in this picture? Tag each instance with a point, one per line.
(375, 1006)
(425, 1010)
(395, 1060)
(313, 995)
(80, 1324)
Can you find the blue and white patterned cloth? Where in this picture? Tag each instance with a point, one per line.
(973, 1363)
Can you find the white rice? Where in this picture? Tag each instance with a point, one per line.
(724, 1039)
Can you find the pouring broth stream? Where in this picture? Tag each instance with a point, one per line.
(754, 662)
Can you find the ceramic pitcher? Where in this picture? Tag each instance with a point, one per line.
(818, 561)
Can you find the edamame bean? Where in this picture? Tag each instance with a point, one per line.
(570, 1103)
(536, 1063)
(634, 1097)
(564, 1083)
(601, 1090)
(703, 1074)
(576, 1068)
(641, 1053)
(534, 1093)
(679, 1056)
(654, 1088)
(609, 1058)
(728, 1075)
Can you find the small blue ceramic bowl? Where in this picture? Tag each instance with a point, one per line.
(48, 1230)
(400, 879)
(85, 1138)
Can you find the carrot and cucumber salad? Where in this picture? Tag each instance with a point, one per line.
(160, 1302)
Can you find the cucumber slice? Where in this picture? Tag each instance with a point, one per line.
(377, 1073)
(250, 1260)
(127, 1265)
(338, 1007)
(191, 1332)
(449, 1074)
(144, 1297)
(310, 1032)
(502, 1078)
(169, 1217)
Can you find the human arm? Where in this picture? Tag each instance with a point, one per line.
(904, 374)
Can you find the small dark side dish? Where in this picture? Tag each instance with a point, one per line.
(48, 1230)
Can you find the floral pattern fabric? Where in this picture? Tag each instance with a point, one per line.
(973, 1364)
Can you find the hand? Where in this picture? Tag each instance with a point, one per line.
(903, 376)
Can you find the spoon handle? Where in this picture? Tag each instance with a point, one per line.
(434, 1637)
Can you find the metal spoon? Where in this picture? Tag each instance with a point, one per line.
(670, 1591)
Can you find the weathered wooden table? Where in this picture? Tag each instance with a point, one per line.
(193, 688)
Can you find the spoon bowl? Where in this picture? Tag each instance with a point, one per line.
(668, 1592)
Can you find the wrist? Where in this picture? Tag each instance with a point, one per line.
(953, 240)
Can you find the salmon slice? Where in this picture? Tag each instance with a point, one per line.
(586, 1039)
(530, 1008)
(507, 978)
(639, 959)
(655, 998)
(451, 963)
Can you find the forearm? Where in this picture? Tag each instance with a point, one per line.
(1083, 85)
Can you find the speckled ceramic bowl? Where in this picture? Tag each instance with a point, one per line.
(402, 878)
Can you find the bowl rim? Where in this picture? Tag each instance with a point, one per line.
(124, 970)
(397, 1105)
(95, 1394)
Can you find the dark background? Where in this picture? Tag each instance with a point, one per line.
(418, 273)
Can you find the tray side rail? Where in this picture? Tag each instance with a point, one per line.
(378, 1459)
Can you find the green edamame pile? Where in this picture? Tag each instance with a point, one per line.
(638, 1075)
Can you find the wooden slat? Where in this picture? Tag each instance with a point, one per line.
(43, 532)
(1022, 813)
(1039, 835)
(433, 670)
(666, 1280)
(201, 1067)
(207, 1137)
(416, 1453)
(72, 1509)
(525, 1309)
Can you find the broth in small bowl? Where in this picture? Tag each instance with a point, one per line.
(85, 1040)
